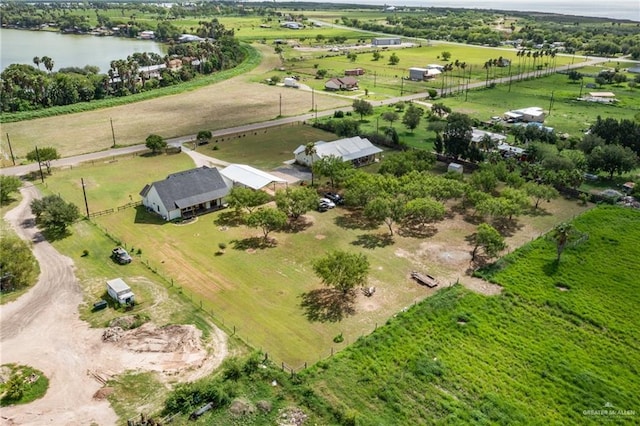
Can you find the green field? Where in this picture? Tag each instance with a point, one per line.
(560, 341)
(266, 148)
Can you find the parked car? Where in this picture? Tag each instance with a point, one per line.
(330, 204)
(322, 208)
(120, 255)
(336, 198)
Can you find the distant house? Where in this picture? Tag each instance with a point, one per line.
(386, 41)
(292, 25)
(355, 71)
(187, 38)
(421, 74)
(601, 97)
(478, 135)
(357, 150)
(342, 83)
(147, 35)
(186, 193)
(527, 115)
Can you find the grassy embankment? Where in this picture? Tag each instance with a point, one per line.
(561, 339)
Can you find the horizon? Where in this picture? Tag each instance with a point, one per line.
(628, 10)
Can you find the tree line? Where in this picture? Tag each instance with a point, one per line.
(25, 87)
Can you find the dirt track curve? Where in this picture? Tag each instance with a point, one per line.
(42, 329)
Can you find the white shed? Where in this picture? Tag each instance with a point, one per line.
(455, 167)
(120, 291)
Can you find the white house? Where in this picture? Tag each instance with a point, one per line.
(186, 193)
(120, 291)
(147, 35)
(528, 115)
(386, 41)
(477, 135)
(356, 149)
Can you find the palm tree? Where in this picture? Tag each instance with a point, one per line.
(310, 151)
(36, 60)
(561, 235)
(48, 63)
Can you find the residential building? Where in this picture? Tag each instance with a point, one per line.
(341, 83)
(386, 41)
(359, 151)
(186, 194)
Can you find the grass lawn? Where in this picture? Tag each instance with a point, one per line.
(568, 115)
(251, 289)
(23, 384)
(561, 340)
(267, 148)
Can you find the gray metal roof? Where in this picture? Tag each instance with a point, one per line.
(191, 187)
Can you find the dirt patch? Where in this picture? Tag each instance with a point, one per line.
(292, 416)
(103, 393)
(320, 237)
(481, 286)
(241, 407)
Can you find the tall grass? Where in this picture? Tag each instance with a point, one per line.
(538, 354)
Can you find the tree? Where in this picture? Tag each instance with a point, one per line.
(8, 185)
(412, 117)
(155, 143)
(484, 180)
(540, 192)
(390, 116)
(457, 134)
(574, 75)
(267, 218)
(612, 159)
(342, 270)
(404, 162)
(332, 167)
(310, 151)
(352, 56)
(18, 264)
(561, 235)
(321, 73)
(489, 239)
(385, 209)
(295, 202)
(424, 210)
(54, 214)
(246, 198)
(394, 59)
(440, 109)
(204, 137)
(445, 56)
(45, 155)
(362, 107)
(376, 55)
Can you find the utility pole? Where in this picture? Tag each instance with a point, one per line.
(11, 150)
(316, 112)
(280, 114)
(374, 78)
(581, 84)
(39, 165)
(313, 97)
(113, 134)
(84, 192)
(509, 77)
(551, 102)
(401, 86)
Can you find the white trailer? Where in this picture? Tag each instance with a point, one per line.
(120, 291)
(291, 82)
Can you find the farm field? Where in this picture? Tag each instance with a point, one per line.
(559, 344)
(169, 116)
(259, 292)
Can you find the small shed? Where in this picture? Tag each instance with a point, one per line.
(120, 291)
(455, 167)
(417, 73)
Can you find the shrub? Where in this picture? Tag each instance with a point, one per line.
(85, 253)
(338, 339)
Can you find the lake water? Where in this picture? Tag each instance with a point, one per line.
(21, 46)
(618, 9)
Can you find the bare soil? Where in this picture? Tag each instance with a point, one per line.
(42, 329)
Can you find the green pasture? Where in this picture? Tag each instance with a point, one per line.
(568, 115)
(254, 291)
(17, 389)
(265, 148)
(559, 343)
(382, 78)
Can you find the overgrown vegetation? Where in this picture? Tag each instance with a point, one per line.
(21, 384)
(557, 343)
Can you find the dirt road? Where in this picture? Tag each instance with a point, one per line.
(42, 329)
